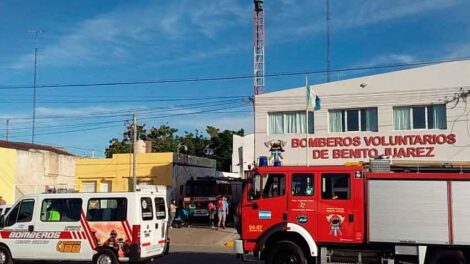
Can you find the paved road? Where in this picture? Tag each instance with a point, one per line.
(199, 255)
(199, 245)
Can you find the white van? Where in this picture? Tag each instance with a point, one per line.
(100, 227)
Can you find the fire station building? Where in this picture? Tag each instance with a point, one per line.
(419, 114)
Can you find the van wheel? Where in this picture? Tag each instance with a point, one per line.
(285, 252)
(448, 257)
(5, 256)
(105, 256)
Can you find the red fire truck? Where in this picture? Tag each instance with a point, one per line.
(362, 213)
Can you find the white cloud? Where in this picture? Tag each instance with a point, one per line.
(387, 59)
(308, 18)
(116, 37)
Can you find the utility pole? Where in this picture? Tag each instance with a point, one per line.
(36, 32)
(7, 129)
(134, 158)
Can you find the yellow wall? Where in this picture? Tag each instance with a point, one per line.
(7, 174)
(156, 168)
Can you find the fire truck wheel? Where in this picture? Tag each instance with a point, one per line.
(285, 252)
(448, 257)
(5, 256)
(105, 256)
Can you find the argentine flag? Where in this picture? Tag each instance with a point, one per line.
(313, 101)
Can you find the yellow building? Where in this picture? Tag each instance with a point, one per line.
(7, 174)
(115, 174)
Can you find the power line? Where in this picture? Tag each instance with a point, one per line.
(239, 77)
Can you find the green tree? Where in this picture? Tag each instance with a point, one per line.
(163, 139)
(124, 146)
(221, 144)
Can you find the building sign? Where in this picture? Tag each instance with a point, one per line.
(357, 147)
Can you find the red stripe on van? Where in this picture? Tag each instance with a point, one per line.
(73, 235)
(146, 244)
(162, 242)
(127, 228)
(88, 233)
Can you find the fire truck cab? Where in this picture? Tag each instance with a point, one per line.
(349, 214)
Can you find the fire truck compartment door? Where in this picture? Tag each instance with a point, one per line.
(408, 211)
(340, 208)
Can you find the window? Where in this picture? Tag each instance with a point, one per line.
(336, 186)
(21, 213)
(107, 209)
(347, 120)
(255, 187)
(420, 117)
(302, 184)
(290, 122)
(26, 211)
(275, 186)
(61, 210)
(160, 208)
(147, 208)
(89, 187)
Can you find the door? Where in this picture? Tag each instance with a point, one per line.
(162, 223)
(105, 186)
(266, 205)
(149, 228)
(340, 207)
(303, 201)
(19, 225)
(61, 217)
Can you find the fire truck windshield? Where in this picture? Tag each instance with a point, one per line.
(201, 188)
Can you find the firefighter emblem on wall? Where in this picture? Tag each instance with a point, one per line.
(336, 222)
(276, 147)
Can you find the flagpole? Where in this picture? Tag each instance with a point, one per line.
(306, 121)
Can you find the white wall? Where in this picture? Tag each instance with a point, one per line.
(419, 86)
(243, 153)
(37, 170)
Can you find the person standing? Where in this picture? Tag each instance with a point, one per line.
(173, 209)
(192, 208)
(211, 212)
(222, 210)
(2, 202)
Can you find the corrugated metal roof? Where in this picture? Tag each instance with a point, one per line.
(28, 146)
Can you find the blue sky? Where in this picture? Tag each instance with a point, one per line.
(91, 41)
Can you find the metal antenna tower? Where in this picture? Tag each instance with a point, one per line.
(36, 35)
(259, 80)
(328, 51)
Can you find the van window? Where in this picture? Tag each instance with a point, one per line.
(61, 210)
(21, 213)
(160, 208)
(107, 209)
(336, 186)
(147, 209)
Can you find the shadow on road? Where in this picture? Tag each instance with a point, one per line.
(198, 258)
